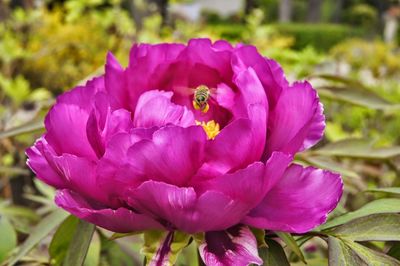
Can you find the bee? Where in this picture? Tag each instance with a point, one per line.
(200, 98)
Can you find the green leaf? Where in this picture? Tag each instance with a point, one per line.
(9, 238)
(292, 244)
(357, 97)
(374, 207)
(392, 190)
(80, 242)
(357, 148)
(327, 163)
(353, 92)
(273, 255)
(345, 252)
(62, 239)
(39, 232)
(114, 254)
(27, 128)
(157, 241)
(394, 251)
(375, 227)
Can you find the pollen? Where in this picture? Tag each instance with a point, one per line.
(211, 128)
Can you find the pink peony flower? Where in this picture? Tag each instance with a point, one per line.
(198, 138)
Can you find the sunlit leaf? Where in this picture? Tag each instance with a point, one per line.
(78, 248)
(329, 164)
(376, 227)
(374, 207)
(354, 92)
(291, 243)
(345, 252)
(39, 232)
(357, 148)
(392, 190)
(93, 254)
(274, 255)
(8, 236)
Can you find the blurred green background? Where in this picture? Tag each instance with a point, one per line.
(348, 49)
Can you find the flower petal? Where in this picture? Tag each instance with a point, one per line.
(155, 108)
(173, 155)
(269, 72)
(297, 121)
(121, 220)
(300, 201)
(40, 166)
(67, 119)
(234, 246)
(182, 209)
(250, 184)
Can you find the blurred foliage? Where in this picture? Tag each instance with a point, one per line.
(321, 36)
(362, 15)
(51, 48)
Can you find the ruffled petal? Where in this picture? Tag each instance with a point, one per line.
(250, 184)
(173, 155)
(114, 173)
(269, 71)
(297, 121)
(155, 108)
(115, 83)
(41, 167)
(67, 119)
(145, 59)
(182, 209)
(103, 123)
(234, 246)
(120, 220)
(299, 202)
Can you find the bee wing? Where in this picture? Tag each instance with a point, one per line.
(185, 90)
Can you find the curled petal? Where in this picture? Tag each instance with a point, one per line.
(297, 121)
(155, 108)
(173, 155)
(73, 110)
(234, 246)
(41, 167)
(250, 184)
(182, 209)
(120, 220)
(269, 72)
(114, 174)
(300, 201)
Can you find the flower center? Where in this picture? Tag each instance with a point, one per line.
(211, 128)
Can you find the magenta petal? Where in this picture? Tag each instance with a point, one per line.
(120, 220)
(297, 121)
(269, 72)
(173, 155)
(144, 60)
(115, 83)
(155, 108)
(182, 209)
(67, 119)
(114, 174)
(234, 246)
(251, 184)
(41, 167)
(299, 202)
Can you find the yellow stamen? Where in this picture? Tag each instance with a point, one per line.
(211, 128)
